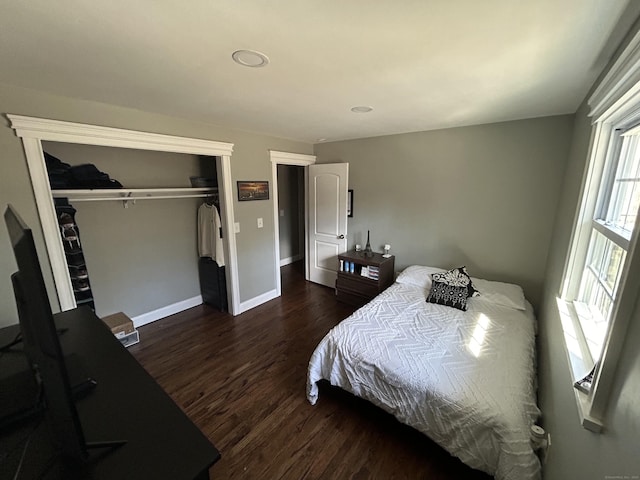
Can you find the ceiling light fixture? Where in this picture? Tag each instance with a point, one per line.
(250, 58)
(361, 109)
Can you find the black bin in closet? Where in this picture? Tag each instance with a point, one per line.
(213, 283)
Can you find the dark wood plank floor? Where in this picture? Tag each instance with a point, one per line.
(242, 380)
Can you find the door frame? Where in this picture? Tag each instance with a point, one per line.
(297, 159)
(32, 131)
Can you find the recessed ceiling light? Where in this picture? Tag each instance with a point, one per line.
(361, 109)
(250, 58)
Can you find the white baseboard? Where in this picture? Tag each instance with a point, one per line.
(166, 311)
(259, 300)
(288, 260)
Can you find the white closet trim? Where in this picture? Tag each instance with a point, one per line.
(33, 131)
(69, 132)
(287, 158)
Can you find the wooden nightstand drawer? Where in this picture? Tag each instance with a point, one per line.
(356, 283)
(352, 298)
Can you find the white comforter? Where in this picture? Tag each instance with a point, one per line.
(465, 379)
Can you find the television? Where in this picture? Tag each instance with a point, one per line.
(42, 345)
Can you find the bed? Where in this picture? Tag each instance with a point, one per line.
(466, 378)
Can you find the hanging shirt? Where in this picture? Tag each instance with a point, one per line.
(209, 234)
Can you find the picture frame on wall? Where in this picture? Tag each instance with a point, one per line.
(349, 203)
(253, 190)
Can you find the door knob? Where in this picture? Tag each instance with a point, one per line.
(341, 237)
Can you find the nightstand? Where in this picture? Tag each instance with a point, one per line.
(356, 289)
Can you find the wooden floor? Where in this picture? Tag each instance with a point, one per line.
(242, 380)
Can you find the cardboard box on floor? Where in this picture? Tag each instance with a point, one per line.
(119, 324)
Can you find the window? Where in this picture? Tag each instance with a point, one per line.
(612, 225)
(602, 275)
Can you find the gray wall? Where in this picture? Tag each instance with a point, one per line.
(250, 161)
(481, 196)
(143, 257)
(290, 210)
(576, 452)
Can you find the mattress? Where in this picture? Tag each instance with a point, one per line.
(465, 379)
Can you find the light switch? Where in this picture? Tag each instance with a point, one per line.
(260, 224)
(282, 213)
(236, 227)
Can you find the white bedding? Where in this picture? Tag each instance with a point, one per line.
(465, 379)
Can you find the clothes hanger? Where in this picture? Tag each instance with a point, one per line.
(212, 200)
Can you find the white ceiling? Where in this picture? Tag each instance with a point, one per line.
(421, 65)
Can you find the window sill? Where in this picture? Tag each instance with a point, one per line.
(580, 362)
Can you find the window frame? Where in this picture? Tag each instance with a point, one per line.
(615, 107)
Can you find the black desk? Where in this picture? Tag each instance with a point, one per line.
(162, 443)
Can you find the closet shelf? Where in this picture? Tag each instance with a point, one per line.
(127, 195)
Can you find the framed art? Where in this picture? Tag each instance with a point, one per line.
(253, 190)
(350, 203)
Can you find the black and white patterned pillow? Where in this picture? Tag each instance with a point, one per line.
(454, 296)
(457, 277)
(452, 288)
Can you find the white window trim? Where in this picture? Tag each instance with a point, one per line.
(614, 103)
(617, 235)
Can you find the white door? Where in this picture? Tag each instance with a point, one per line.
(327, 194)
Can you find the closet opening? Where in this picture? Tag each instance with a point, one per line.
(145, 253)
(158, 273)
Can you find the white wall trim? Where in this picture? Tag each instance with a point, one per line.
(33, 131)
(284, 158)
(229, 240)
(259, 300)
(70, 132)
(287, 158)
(622, 79)
(163, 312)
(290, 260)
(49, 223)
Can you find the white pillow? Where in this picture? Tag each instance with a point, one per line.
(498, 293)
(418, 275)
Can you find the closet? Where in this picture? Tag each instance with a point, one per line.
(139, 242)
(33, 131)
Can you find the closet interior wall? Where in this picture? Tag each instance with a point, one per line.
(144, 257)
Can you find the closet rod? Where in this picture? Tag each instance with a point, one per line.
(131, 195)
(124, 199)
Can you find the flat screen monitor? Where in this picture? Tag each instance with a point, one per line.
(41, 343)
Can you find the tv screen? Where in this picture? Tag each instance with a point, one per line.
(41, 342)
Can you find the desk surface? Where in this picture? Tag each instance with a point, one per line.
(127, 404)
